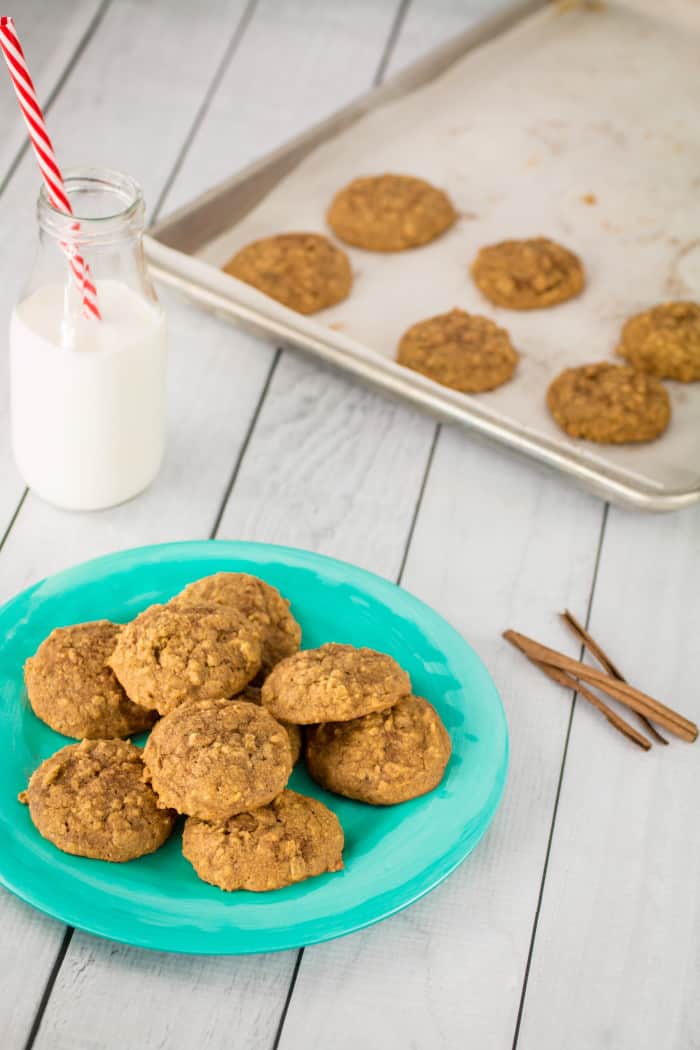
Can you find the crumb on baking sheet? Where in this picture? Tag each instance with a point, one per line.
(589, 198)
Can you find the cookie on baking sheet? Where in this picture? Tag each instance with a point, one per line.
(90, 799)
(382, 758)
(460, 350)
(332, 684)
(214, 758)
(610, 404)
(71, 688)
(389, 213)
(251, 694)
(291, 839)
(664, 341)
(528, 274)
(303, 271)
(171, 654)
(258, 601)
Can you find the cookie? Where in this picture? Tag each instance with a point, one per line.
(90, 799)
(389, 213)
(171, 654)
(215, 758)
(664, 341)
(291, 839)
(610, 404)
(459, 350)
(303, 271)
(251, 694)
(259, 602)
(71, 688)
(528, 274)
(332, 684)
(383, 758)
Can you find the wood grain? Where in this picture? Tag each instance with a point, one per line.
(616, 961)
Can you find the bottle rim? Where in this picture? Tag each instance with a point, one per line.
(121, 197)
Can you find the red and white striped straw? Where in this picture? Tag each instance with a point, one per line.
(43, 150)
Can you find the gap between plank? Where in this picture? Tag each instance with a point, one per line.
(44, 1001)
(555, 810)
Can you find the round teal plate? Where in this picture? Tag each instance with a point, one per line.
(393, 855)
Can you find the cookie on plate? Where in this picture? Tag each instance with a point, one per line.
(664, 341)
(258, 601)
(303, 271)
(382, 758)
(251, 694)
(90, 799)
(71, 688)
(214, 758)
(609, 404)
(459, 350)
(389, 213)
(291, 839)
(172, 654)
(332, 684)
(528, 274)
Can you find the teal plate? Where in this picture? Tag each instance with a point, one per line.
(393, 855)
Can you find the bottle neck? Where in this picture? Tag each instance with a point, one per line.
(108, 211)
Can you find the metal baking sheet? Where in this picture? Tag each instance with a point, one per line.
(576, 121)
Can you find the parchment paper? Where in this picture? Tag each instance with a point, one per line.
(571, 103)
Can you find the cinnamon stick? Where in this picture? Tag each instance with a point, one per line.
(616, 720)
(661, 714)
(580, 632)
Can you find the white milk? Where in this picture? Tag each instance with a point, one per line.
(88, 424)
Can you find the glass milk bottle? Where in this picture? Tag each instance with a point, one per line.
(87, 394)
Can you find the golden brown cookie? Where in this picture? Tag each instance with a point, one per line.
(528, 274)
(303, 271)
(171, 654)
(291, 839)
(459, 350)
(90, 799)
(259, 602)
(333, 683)
(214, 758)
(388, 213)
(610, 404)
(664, 341)
(71, 688)
(251, 694)
(383, 758)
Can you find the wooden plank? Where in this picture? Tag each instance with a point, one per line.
(195, 475)
(190, 1002)
(50, 37)
(616, 960)
(496, 543)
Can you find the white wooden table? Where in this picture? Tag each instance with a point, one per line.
(576, 923)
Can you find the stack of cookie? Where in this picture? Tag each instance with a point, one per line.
(217, 676)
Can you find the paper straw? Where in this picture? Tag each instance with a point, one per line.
(44, 153)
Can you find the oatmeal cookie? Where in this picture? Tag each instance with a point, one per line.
(171, 654)
(90, 799)
(664, 341)
(71, 688)
(459, 350)
(528, 274)
(303, 271)
(389, 213)
(610, 404)
(382, 758)
(259, 602)
(251, 694)
(214, 758)
(333, 683)
(291, 839)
